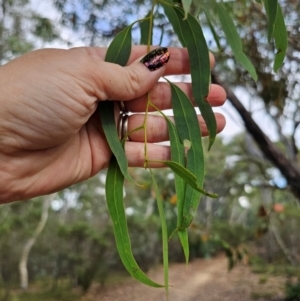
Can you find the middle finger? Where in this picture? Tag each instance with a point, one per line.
(157, 128)
(161, 97)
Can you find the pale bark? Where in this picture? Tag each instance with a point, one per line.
(31, 241)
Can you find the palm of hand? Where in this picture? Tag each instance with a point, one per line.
(54, 140)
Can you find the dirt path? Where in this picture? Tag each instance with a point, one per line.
(206, 280)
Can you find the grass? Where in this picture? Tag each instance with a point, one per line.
(263, 279)
(261, 295)
(41, 290)
(275, 269)
(61, 295)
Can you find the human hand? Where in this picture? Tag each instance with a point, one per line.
(50, 134)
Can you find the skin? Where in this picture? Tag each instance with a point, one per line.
(50, 132)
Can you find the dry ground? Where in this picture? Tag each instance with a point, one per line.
(203, 280)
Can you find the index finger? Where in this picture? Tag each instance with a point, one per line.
(178, 63)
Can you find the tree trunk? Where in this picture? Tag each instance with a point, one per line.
(288, 169)
(31, 241)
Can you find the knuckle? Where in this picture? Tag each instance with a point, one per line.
(133, 84)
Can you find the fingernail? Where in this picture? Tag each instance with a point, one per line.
(156, 58)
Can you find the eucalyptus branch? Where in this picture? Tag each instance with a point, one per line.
(271, 152)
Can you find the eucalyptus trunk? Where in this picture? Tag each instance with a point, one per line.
(31, 241)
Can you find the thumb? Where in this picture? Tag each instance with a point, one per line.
(135, 80)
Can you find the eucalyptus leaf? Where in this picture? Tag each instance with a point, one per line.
(271, 7)
(281, 40)
(119, 49)
(234, 40)
(188, 177)
(200, 68)
(114, 196)
(164, 232)
(188, 129)
(107, 116)
(118, 52)
(178, 156)
(212, 29)
(184, 240)
(146, 27)
(173, 19)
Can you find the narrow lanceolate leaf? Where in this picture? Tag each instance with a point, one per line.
(184, 240)
(178, 156)
(109, 127)
(119, 49)
(200, 68)
(280, 37)
(164, 233)
(188, 177)
(146, 30)
(173, 19)
(114, 196)
(234, 40)
(118, 52)
(186, 4)
(212, 29)
(271, 10)
(188, 129)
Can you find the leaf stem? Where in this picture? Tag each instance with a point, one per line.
(148, 94)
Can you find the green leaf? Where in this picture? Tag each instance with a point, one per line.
(276, 29)
(271, 10)
(118, 52)
(200, 68)
(234, 40)
(184, 240)
(188, 129)
(281, 40)
(164, 232)
(178, 156)
(186, 4)
(119, 49)
(114, 196)
(146, 27)
(173, 19)
(187, 176)
(212, 29)
(106, 110)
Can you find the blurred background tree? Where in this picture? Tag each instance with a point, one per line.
(256, 173)
(22, 28)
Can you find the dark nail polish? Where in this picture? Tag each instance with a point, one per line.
(156, 58)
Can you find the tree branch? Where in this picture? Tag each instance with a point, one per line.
(271, 152)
